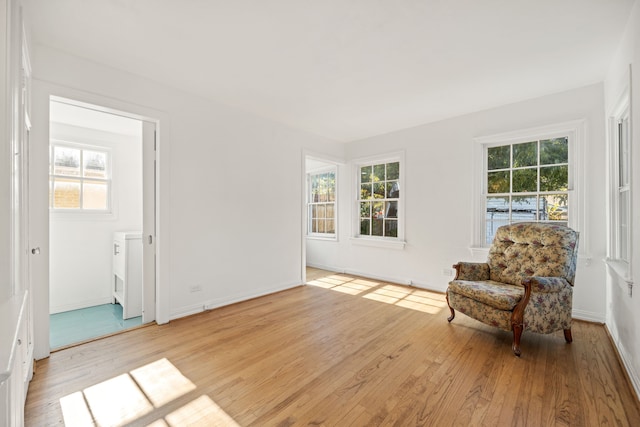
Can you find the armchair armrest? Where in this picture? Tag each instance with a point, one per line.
(472, 271)
(546, 284)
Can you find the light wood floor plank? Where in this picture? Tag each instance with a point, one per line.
(340, 351)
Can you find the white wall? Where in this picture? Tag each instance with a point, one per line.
(230, 184)
(623, 313)
(438, 195)
(5, 161)
(81, 245)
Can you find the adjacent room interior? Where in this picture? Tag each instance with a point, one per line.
(96, 195)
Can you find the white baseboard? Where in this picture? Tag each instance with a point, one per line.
(626, 360)
(228, 300)
(80, 304)
(326, 267)
(429, 287)
(394, 279)
(589, 316)
(399, 280)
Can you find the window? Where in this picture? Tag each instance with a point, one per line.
(529, 175)
(623, 184)
(79, 178)
(379, 202)
(527, 181)
(322, 203)
(620, 241)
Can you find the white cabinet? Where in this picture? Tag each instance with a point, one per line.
(127, 272)
(15, 359)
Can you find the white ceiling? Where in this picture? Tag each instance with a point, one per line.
(345, 69)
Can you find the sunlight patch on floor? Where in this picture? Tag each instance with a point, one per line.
(162, 382)
(117, 401)
(200, 412)
(401, 296)
(127, 398)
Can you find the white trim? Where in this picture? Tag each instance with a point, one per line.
(627, 359)
(331, 268)
(78, 305)
(332, 167)
(308, 154)
(389, 242)
(588, 316)
(405, 281)
(44, 91)
(620, 110)
(212, 304)
(326, 237)
(386, 279)
(575, 130)
(321, 157)
(93, 213)
(378, 242)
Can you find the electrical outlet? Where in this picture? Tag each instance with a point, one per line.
(195, 288)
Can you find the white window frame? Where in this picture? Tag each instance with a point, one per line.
(310, 233)
(577, 214)
(109, 180)
(619, 118)
(379, 241)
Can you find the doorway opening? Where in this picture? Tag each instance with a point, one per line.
(320, 213)
(96, 223)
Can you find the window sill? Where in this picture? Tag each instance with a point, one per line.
(620, 268)
(329, 238)
(379, 243)
(79, 216)
(479, 251)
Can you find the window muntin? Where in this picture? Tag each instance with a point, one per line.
(79, 178)
(526, 181)
(623, 190)
(378, 199)
(322, 204)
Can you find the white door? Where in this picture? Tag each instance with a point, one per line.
(148, 222)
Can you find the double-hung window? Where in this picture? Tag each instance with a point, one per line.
(528, 176)
(322, 203)
(620, 241)
(379, 199)
(623, 190)
(79, 178)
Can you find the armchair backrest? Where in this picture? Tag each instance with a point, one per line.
(528, 249)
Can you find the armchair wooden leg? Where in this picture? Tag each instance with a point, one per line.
(453, 313)
(567, 335)
(517, 333)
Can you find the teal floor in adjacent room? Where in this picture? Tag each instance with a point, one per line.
(78, 325)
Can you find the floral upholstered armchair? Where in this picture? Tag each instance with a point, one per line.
(526, 283)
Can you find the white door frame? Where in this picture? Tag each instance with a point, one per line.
(330, 161)
(43, 92)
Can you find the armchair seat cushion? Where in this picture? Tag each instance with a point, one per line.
(502, 296)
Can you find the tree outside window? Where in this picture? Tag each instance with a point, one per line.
(527, 181)
(379, 196)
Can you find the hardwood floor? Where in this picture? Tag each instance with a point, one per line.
(341, 351)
